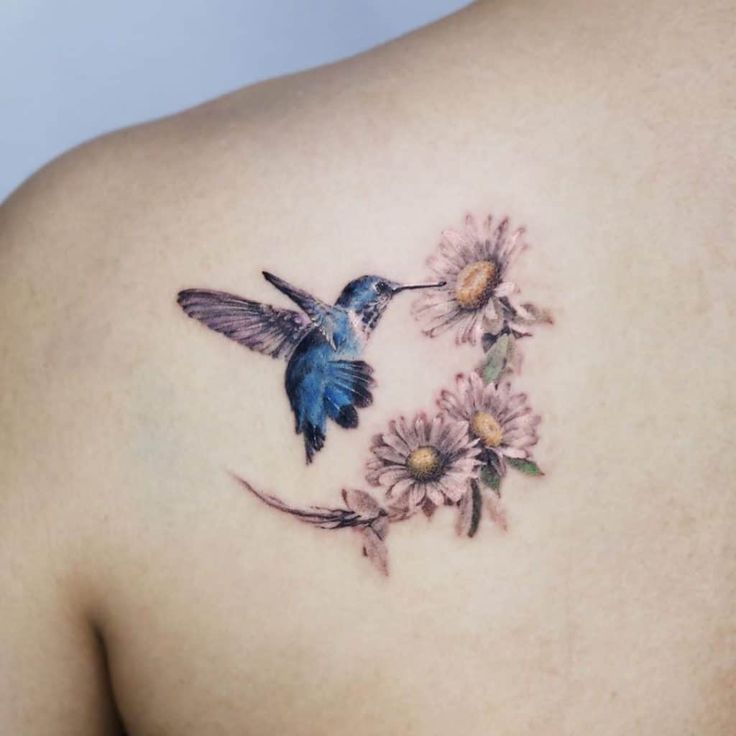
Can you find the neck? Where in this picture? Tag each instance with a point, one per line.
(367, 318)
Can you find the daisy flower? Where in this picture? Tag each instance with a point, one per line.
(473, 264)
(500, 421)
(423, 463)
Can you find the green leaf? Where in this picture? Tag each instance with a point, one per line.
(477, 505)
(495, 360)
(491, 478)
(529, 467)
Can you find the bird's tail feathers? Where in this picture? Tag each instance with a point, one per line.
(314, 440)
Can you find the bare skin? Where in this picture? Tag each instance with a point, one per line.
(141, 584)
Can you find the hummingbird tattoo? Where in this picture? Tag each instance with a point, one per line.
(322, 344)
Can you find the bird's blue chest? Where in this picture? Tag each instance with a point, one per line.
(308, 370)
(348, 335)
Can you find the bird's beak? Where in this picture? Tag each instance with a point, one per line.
(406, 287)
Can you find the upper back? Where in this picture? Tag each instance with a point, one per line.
(604, 607)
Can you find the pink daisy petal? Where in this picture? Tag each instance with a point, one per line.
(420, 427)
(499, 236)
(454, 492)
(435, 431)
(515, 452)
(505, 288)
(392, 474)
(394, 441)
(389, 454)
(490, 313)
(443, 324)
(406, 433)
(514, 252)
(453, 246)
(479, 250)
(523, 442)
(435, 495)
(416, 495)
(400, 487)
(445, 263)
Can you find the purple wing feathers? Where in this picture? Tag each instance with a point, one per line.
(260, 327)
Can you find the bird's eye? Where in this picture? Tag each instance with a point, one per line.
(381, 287)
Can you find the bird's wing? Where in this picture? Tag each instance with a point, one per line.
(269, 330)
(317, 310)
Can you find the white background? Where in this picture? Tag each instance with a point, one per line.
(72, 69)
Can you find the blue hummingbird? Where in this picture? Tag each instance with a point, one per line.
(322, 343)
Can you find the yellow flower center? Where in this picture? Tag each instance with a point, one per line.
(424, 463)
(475, 284)
(486, 427)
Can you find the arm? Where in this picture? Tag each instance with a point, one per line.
(53, 677)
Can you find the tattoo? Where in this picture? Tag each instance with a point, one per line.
(322, 344)
(460, 456)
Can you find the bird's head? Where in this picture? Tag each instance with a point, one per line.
(369, 296)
